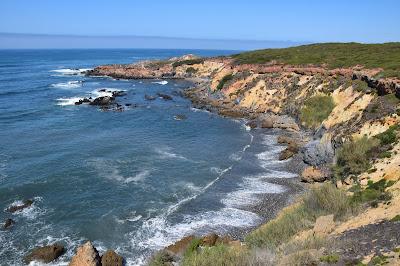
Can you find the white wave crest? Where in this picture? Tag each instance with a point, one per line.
(68, 85)
(166, 153)
(68, 101)
(163, 82)
(69, 71)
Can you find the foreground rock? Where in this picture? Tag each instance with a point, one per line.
(110, 258)
(45, 254)
(287, 153)
(313, 174)
(25, 204)
(103, 101)
(8, 223)
(86, 255)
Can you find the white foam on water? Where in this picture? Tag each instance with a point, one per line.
(31, 212)
(138, 177)
(166, 153)
(69, 71)
(68, 85)
(68, 101)
(163, 82)
(199, 110)
(249, 192)
(279, 174)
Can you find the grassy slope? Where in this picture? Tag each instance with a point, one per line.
(333, 55)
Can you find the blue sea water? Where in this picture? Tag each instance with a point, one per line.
(133, 181)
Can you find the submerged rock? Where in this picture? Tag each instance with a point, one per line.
(45, 254)
(8, 223)
(86, 255)
(149, 97)
(118, 93)
(110, 258)
(164, 96)
(25, 204)
(180, 117)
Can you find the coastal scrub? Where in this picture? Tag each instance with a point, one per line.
(316, 109)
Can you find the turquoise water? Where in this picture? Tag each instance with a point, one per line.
(133, 181)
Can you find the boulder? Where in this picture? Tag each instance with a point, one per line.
(164, 96)
(81, 101)
(267, 123)
(110, 258)
(179, 247)
(324, 225)
(286, 122)
(86, 255)
(8, 223)
(288, 152)
(210, 240)
(25, 204)
(313, 174)
(287, 140)
(45, 254)
(118, 93)
(319, 151)
(252, 124)
(103, 101)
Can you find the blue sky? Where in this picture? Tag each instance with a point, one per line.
(295, 20)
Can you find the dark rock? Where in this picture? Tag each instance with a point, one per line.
(288, 152)
(267, 123)
(149, 97)
(164, 96)
(8, 223)
(180, 117)
(102, 90)
(252, 124)
(45, 254)
(25, 204)
(102, 101)
(110, 258)
(128, 104)
(84, 100)
(118, 93)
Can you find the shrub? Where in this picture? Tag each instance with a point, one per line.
(224, 80)
(161, 258)
(396, 219)
(316, 109)
(353, 157)
(325, 199)
(389, 136)
(373, 193)
(359, 85)
(188, 62)
(191, 70)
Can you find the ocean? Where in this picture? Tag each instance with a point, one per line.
(133, 181)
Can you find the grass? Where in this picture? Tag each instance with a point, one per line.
(396, 219)
(323, 200)
(331, 258)
(316, 109)
(353, 158)
(373, 193)
(331, 55)
(219, 255)
(223, 81)
(188, 62)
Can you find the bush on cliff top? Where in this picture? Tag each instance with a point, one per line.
(326, 199)
(316, 109)
(333, 55)
(188, 62)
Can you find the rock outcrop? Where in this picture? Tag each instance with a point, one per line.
(8, 223)
(86, 255)
(45, 254)
(18, 207)
(110, 258)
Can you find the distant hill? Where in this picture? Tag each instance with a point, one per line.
(332, 55)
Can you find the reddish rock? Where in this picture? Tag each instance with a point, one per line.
(45, 254)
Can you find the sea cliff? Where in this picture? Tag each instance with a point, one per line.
(339, 104)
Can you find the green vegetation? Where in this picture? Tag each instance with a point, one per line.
(323, 200)
(161, 258)
(389, 136)
(333, 55)
(332, 258)
(224, 80)
(219, 255)
(193, 246)
(373, 193)
(396, 219)
(392, 99)
(188, 62)
(191, 70)
(353, 158)
(379, 260)
(359, 85)
(316, 109)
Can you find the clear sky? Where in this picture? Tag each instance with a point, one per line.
(295, 20)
